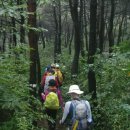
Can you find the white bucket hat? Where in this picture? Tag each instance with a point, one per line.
(75, 89)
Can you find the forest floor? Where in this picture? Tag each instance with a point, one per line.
(43, 124)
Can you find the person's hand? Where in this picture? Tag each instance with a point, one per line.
(62, 109)
(42, 94)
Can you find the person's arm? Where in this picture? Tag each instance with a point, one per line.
(89, 114)
(43, 81)
(43, 95)
(66, 111)
(60, 99)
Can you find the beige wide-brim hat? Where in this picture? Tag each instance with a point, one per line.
(75, 89)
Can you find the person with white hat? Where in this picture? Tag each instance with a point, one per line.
(77, 112)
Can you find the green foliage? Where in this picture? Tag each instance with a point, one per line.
(113, 82)
(42, 2)
(46, 55)
(125, 46)
(11, 9)
(15, 98)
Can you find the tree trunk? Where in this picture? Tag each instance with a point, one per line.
(57, 19)
(35, 74)
(71, 39)
(56, 33)
(22, 21)
(4, 39)
(124, 14)
(59, 27)
(85, 25)
(102, 27)
(92, 83)
(110, 32)
(92, 34)
(77, 36)
(120, 30)
(92, 48)
(81, 28)
(14, 32)
(43, 39)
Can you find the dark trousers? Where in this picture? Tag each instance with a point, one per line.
(52, 114)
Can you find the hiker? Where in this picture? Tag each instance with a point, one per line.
(59, 74)
(77, 112)
(45, 79)
(46, 70)
(53, 66)
(52, 102)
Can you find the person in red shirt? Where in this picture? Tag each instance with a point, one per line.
(45, 79)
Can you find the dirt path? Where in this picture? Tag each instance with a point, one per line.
(43, 124)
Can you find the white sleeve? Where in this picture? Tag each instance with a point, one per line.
(66, 111)
(89, 112)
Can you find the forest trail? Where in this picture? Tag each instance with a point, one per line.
(43, 124)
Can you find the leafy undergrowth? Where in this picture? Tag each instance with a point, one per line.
(113, 87)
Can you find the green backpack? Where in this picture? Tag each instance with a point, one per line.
(52, 101)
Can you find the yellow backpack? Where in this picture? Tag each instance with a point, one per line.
(52, 101)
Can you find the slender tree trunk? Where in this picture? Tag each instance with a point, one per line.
(22, 30)
(59, 27)
(97, 27)
(14, 32)
(71, 39)
(57, 19)
(85, 25)
(22, 21)
(77, 36)
(56, 34)
(3, 36)
(110, 32)
(10, 39)
(66, 34)
(4, 39)
(120, 30)
(81, 28)
(43, 40)
(102, 27)
(92, 48)
(124, 14)
(125, 28)
(106, 24)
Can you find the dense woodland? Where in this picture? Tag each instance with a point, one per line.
(90, 39)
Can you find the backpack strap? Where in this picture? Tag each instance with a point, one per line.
(75, 123)
(73, 106)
